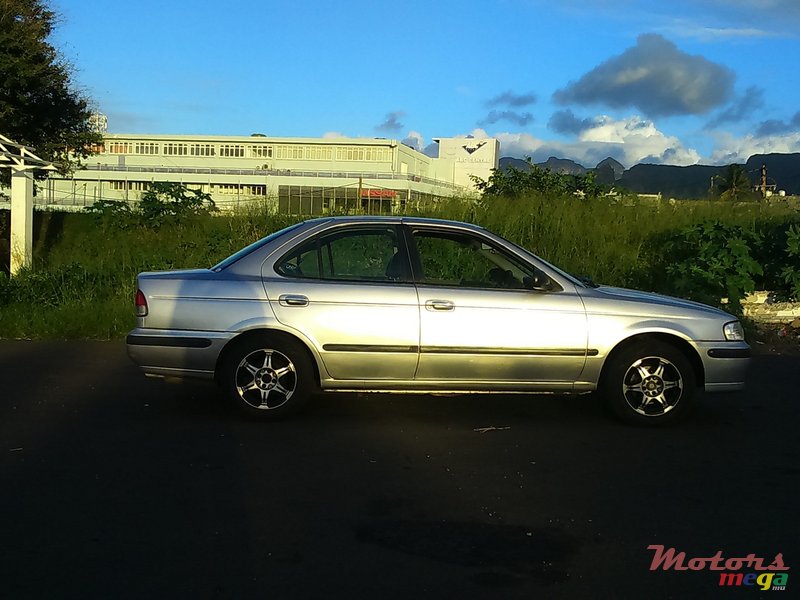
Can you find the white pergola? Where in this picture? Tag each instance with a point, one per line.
(22, 162)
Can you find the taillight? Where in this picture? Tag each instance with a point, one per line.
(141, 304)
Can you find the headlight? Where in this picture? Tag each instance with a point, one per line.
(733, 331)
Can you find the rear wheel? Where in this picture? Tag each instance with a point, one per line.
(649, 383)
(268, 378)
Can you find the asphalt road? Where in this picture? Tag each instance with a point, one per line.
(117, 486)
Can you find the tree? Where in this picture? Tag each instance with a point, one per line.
(514, 182)
(39, 104)
(735, 184)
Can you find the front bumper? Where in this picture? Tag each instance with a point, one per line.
(725, 365)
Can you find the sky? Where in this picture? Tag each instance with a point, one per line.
(679, 82)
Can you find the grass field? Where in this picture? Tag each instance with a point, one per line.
(82, 282)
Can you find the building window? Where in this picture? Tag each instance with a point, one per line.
(227, 189)
(308, 200)
(232, 150)
(136, 186)
(233, 189)
(202, 150)
(359, 154)
(120, 148)
(323, 153)
(254, 190)
(260, 151)
(145, 148)
(175, 149)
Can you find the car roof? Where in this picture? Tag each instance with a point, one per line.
(395, 219)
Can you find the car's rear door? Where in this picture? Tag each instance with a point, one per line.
(348, 291)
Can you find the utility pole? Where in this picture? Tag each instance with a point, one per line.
(22, 162)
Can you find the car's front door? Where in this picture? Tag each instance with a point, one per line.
(481, 320)
(349, 292)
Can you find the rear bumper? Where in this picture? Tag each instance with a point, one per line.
(176, 353)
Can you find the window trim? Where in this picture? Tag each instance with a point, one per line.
(402, 248)
(416, 261)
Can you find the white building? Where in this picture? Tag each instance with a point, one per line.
(299, 175)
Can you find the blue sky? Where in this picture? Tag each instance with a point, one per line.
(680, 82)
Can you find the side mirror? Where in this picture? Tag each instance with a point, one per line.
(538, 282)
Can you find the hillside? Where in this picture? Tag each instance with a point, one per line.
(783, 171)
(670, 181)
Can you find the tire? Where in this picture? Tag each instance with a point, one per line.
(649, 383)
(268, 377)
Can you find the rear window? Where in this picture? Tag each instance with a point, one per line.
(221, 266)
(350, 254)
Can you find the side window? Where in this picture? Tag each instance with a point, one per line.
(462, 260)
(351, 255)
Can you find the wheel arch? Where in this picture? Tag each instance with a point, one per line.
(675, 341)
(265, 332)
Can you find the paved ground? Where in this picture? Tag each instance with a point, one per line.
(116, 486)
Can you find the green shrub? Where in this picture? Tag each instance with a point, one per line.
(712, 260)
(172, 203)
(791, 272)
(513, 182)
(161, 204)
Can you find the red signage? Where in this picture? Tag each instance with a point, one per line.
(378, 194)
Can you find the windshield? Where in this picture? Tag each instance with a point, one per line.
(252, 247)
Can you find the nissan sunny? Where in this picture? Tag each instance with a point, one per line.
(399, 304)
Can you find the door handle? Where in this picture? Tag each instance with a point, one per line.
(439, 305)
(292, 300)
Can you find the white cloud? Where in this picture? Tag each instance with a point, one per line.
(629, 141)
(707, 20)
(333, 134)
(415, 140)
(690, 29)
(518, 144)
(731, 149)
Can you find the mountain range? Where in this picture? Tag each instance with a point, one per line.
(783, 171)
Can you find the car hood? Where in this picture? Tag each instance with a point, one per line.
(655, 300)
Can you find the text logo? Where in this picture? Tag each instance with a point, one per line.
(471, 149)
(750, 571)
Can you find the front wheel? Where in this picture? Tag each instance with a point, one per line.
(268, 378)
(649, 383)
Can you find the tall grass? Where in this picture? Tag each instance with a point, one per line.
(602, 238)
(82, 281)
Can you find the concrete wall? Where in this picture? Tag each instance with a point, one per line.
(467, 157)
(759, 307)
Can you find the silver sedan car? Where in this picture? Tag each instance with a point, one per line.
(399, 304)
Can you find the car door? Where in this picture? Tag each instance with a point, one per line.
(349, 292)
(482, 321)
